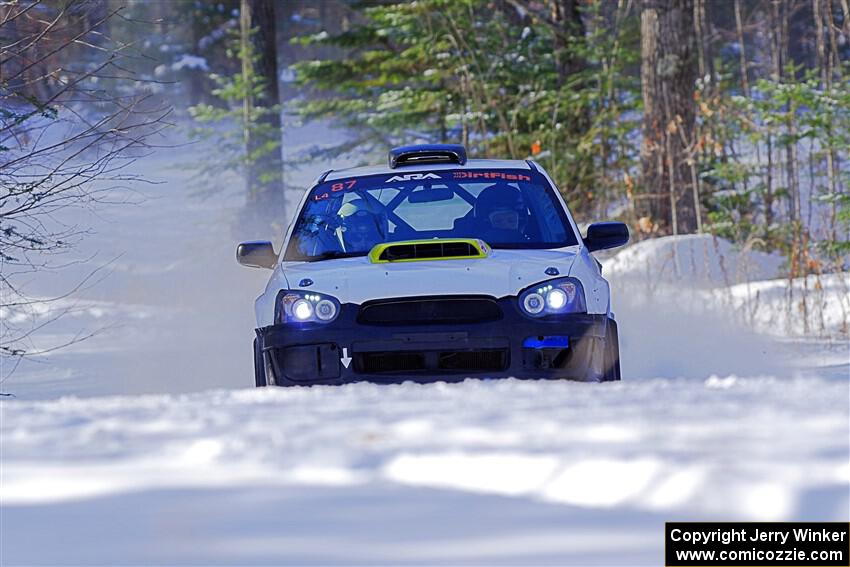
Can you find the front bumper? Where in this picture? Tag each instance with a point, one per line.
(516, 346)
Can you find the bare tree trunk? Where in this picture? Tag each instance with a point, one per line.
(262, 129)
(739, 29)
(668, 71)
(196, 76)
(829, 63)
(791, 130)
(833, 40)
(845, 8)
(775, 31)
(779, 58)
(768, 196)
(700, 43)
(247, 76)
(820, 42)
(703, 40)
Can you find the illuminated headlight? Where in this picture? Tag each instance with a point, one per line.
(302, 310)
(302, 307)
(556, 299)
(553, 297)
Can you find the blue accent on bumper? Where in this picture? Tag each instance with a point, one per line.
(546, 342)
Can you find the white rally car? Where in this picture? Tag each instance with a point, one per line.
(435, 267)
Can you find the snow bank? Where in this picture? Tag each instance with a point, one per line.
(693, 259)
(691, 286)
(811, 306)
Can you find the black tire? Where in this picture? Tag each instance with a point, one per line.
(259, 366)
(612, 353)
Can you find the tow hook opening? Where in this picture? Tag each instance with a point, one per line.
(546, 352)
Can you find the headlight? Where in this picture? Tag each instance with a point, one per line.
(302, 310)
(326, 310)
(303, 307)
(553, 297)
(534, 303)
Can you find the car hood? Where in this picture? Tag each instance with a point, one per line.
(356, 280)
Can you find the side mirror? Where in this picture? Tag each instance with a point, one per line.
(604, 235)
(256, 254)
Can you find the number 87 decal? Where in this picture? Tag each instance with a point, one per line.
(343, 185)
(336, 188)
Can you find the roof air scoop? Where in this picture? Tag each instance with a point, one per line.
(427, 153)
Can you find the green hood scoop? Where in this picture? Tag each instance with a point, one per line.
(425, 250)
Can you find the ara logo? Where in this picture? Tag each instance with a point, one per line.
(413, 177)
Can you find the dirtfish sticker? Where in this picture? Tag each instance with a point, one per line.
(491, 175)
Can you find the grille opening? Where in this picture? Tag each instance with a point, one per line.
(389, 362)
(429, 250)
(435, 311)
(450, 361)
(474, 360)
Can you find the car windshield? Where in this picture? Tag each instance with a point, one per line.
(506, 208)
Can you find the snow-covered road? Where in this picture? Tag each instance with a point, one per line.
(483, 471)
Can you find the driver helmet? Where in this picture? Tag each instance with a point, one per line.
(361, 228)
(502, 207)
